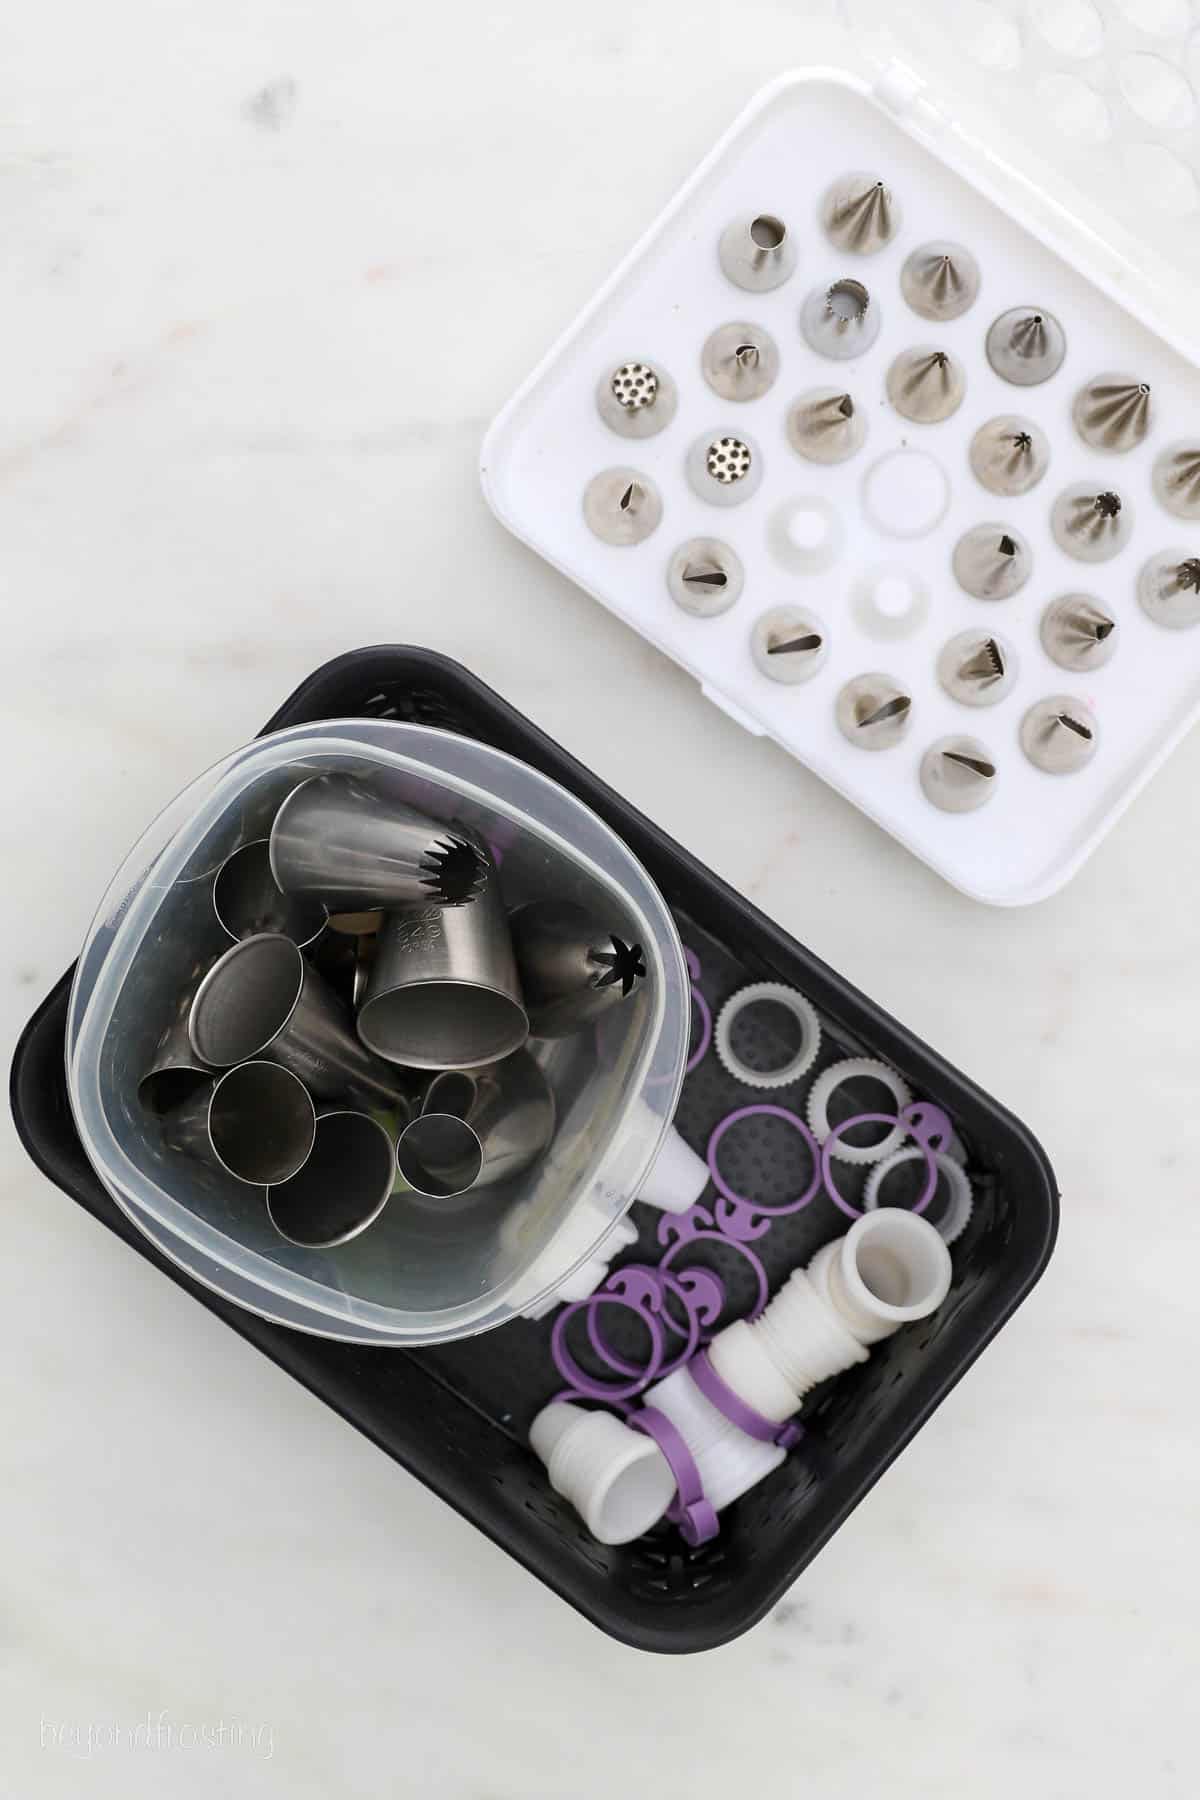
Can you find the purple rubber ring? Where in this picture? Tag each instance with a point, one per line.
(764, 1110)
(855, 1212)
(747, 1418)
(666, 1281)
(578, 1378)
(726, 1243)
(694, 1515)
(693, 963)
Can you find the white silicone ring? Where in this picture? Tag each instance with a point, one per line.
(792, 1002)
(827, 1084)
(962, 1198)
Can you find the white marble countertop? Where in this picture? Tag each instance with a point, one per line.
(268, 271)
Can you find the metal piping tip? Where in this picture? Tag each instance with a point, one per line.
(926, 384)
(342, 1188)
(1169, 589)
(860, 214)
(1077, 633)
(873, 712)
(940, 280)
(573, 966)
(454, 871)
(840, 321)
(825, 426)
(958, 774)
(991, 562)
(1026, 346)
(705, 577)
(1113, 412)
(757, 253)
(1089, 525)
(1009, 455)
(622, 506)
(724, 470)
(1059, 734)
(1176, 479)
(788, 645)
(740, 361)
(636, 399)
(977, 668)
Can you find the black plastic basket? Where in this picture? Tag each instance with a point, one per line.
(456, 1415)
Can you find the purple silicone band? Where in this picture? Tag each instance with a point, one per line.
(689, 1510)
(684, 1243)
(664, 1282)
(756, 1207)
(578, 1378)
(747, 1418)
(827, 1148)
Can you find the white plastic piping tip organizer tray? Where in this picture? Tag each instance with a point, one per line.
(857, 557)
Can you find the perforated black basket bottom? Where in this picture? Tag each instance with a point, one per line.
(455, 1415)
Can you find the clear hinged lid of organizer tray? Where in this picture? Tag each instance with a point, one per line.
(1085, 111)
(425, 1271)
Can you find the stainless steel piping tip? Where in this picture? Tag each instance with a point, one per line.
(1077, 633)
(572, 968)
(476, 1128)
(636, 399)
(940, 280)
(1009, 455)
(825, 425)
(1169, 589)
(926, 385)
(840, 321)
(873, 712)
(757, 252)
(705, 577)
(860, 214)
(958, 774)
(1176, 478)
(256, 1121)
(443, 991)
(342, 1188)
(263, 1002)
(1091, 525)
(723, 469)
(338, 840)
(977, 668)
(176, 1072)
(1113, 412)
(622, 506)
(789, 644)
(247, 899)
(1026, 345)
(1059, 734)
(991, 562)
(740, 361)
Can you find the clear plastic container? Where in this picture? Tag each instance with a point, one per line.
(427, 1271)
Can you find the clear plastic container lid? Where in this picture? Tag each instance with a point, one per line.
(427, 1270)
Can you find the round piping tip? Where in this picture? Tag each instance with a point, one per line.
(341, 1189)
(860, 214)
(1113, 412)
(1026, 346)
(940, 280)
(256, 1121)
(757, 252)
